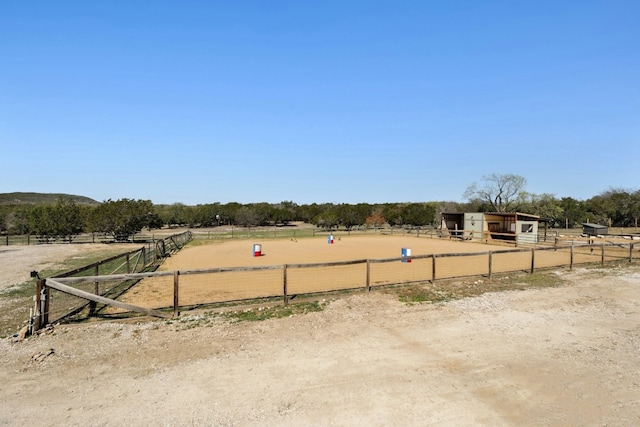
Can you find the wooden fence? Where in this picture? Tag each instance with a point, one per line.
(89, 292)
(164, 294)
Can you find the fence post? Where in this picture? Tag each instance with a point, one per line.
(368, 276)
(284, 284)
(630, 252)
(602, 255)
(433, 268)
(128, 265)
(490, 264)
(96, 290)
(47, 298)
(571, 258)
(37, 316)
(176, 288)
(533, 260)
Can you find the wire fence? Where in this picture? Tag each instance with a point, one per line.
(128, 286)
(31, 239)
(62, 305)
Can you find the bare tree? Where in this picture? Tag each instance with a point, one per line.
(500, 191)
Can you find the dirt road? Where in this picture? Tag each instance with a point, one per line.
(541, 357)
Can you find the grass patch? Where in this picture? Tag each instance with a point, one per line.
(22, 290)
(253, 314)
(447, 290)
(274, 312)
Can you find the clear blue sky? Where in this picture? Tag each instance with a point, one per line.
(330, 101)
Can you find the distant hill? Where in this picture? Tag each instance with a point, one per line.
(42, 198)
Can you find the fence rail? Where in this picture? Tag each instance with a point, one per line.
(169, 291)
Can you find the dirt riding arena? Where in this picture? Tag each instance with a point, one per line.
(313, 250)
(201, 288)
(246, 282)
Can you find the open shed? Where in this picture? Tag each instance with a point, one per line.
(594, 229)
(451, 223)
(513, 226)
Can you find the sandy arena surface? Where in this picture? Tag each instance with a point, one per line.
(542, 357)
(207, 288)
(238, 253)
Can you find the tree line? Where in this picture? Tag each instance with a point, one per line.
(122, 218)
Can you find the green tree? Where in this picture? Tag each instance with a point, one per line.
(573, 212)
(419, 214)
(264, 212)
(63, 220)
(351, 216)
(618, 206)
(284, 212)
(228, 212)
(206, 215)
(4, 214)
(308, 213)
(122, 218)
(68, 218)
(176, 214)
(327, 220)
(247, 216)
(393, 213)
(18, 222)
(41, 222)
(544, 205)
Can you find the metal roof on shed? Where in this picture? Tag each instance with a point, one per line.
(521, 215)
(587, 224)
